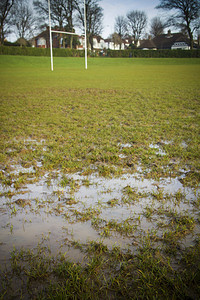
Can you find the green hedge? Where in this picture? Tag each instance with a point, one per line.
(28, 51)
(153, 53)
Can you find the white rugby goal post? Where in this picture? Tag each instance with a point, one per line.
(56, 31)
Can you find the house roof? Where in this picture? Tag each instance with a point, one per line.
(166, 41)
(43, 34)
(108, 40)
(123, 41)
(98, 38)
(149, 44)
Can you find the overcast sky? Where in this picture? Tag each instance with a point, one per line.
(114, 8)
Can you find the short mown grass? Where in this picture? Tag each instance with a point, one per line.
(119, 116)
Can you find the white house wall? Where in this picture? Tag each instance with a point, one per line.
(101, 44)
(41, 42)
(180, 45)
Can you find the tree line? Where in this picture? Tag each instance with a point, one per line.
(26, 19)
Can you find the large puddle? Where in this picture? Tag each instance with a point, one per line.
(60, 210)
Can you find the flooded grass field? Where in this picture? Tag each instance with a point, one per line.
(99, 193)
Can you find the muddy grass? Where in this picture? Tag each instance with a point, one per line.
(101, 228)
(100, 184)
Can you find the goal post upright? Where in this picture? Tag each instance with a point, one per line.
(85, 35)
(50, 35)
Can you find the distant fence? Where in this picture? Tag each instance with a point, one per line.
(28, 51)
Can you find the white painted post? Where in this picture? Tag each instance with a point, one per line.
(50, 36)
(85, 36)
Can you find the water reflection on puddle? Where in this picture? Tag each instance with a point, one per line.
(46, 211)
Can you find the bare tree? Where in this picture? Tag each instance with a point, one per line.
(121, 27)
(69, 17)
(5, 18)
(94, 16)
(58, 11)
(23, 19)
(137, 21)
(186, 16)
(157, 26)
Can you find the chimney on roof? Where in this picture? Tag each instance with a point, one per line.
(169, 32)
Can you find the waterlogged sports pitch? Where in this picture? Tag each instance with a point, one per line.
(99, 194)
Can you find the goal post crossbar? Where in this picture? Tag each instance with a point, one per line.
(72, 33)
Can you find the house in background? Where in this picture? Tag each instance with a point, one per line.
(147, 45)
(162, 41)
(166, 41)
(42, 40)
(109, 44)
(98, 42)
